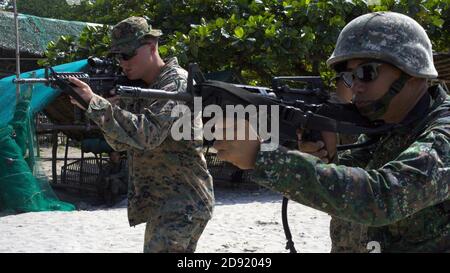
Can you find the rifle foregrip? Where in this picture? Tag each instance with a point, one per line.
(141, 93)
(50, 79)
(128, 91)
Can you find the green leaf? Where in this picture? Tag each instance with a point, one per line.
(239, 32)
(203, 31)
(270, 32)
(337, 21)
(438, 21)
(220, 22)
(163, 50)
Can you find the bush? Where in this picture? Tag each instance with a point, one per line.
(255, 39)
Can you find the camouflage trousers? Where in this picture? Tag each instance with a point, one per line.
(173, 232)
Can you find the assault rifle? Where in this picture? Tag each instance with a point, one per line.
(102, 75)
(310, 108)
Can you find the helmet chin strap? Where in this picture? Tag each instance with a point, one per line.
(378, 108)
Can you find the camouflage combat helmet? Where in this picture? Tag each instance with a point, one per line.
(128, 34)
(387, 36)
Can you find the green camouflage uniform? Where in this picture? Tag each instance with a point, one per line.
(394, 192)
(170, 187)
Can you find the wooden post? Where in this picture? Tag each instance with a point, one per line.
(54, 156)
(16, 27)
(66, 152)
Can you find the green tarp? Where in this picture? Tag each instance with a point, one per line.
(35, 32)
(23, 187)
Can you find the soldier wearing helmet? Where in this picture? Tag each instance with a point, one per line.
(394, 193)
(170, 187)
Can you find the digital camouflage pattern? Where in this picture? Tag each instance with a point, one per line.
(174, 232)
(395, 192)
(113, 181)
(128, 34)
(388, 36)
(168, 179)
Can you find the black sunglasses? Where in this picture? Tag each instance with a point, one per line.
(365, 72)
(124, 57)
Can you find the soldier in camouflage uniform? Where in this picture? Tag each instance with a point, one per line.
(170, 187)
(394, 193)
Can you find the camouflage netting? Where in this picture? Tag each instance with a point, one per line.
(23, 187)
(34, 32)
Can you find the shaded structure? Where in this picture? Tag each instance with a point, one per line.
(35, 33)
(442, 64)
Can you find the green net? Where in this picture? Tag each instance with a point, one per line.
(24, 187)
(35, 32)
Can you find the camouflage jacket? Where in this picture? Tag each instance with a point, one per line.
(395, 192)
(164, 175)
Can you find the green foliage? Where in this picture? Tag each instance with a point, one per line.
(93, 41)
(42, 8)
(256, 39)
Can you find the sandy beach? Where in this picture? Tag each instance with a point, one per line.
(244, 221)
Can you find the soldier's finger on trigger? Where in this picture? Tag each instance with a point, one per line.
(306, 147)
(322, 153)
(320, 144)
(319, 154)
(311, 147)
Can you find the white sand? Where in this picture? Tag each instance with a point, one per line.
(243, 221)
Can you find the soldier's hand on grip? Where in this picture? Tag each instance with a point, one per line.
(324, 149)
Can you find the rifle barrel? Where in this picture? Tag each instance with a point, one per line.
(141, 93)
(30, 80)
(51, 79)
